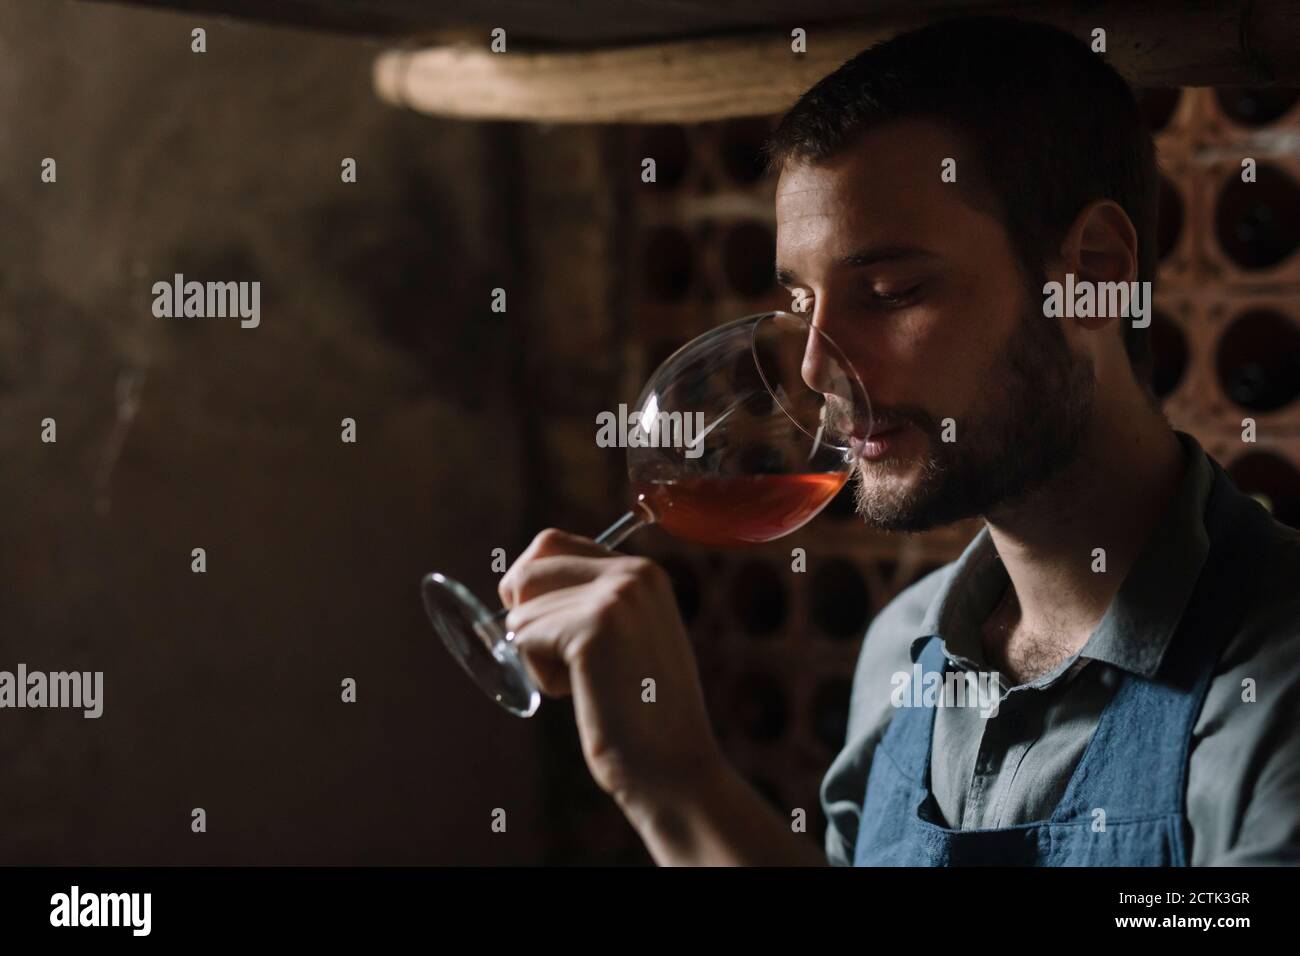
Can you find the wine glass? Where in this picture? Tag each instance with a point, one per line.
(741, 436)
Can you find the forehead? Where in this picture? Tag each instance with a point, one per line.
(885, 187)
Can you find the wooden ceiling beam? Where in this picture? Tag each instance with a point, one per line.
(710, 78)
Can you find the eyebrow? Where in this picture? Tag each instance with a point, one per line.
(866, 257)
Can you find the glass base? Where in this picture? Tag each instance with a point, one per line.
(478, 640)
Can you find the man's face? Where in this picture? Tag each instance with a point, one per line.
(923, 293)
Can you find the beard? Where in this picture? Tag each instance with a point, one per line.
(1028, 427)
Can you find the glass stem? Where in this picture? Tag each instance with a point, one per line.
(624, 527)
(611, 537)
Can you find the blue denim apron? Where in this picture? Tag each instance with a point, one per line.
(1133, 770)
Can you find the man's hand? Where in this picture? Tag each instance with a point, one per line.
(596, 624)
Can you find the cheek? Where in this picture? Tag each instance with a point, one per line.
(914, 354)
(972, 330)
(942, 358)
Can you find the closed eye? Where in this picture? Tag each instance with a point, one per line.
(890, 299)
(896, 299)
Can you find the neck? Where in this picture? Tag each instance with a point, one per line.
(1110, 496)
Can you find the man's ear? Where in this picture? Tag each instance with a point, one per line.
(1101, 244)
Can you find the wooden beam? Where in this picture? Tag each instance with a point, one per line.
(686, 81)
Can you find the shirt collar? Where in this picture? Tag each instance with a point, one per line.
(1138, 626)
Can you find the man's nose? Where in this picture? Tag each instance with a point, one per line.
(820, 364)
(828, 369)
(826, 359)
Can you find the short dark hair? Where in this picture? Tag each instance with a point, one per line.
(1053, 126)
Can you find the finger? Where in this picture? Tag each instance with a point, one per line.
(541, 628)
(547, 626)
(526, 612)
(548, 542)
(550, 674)
(553, 541)
(532, 577)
